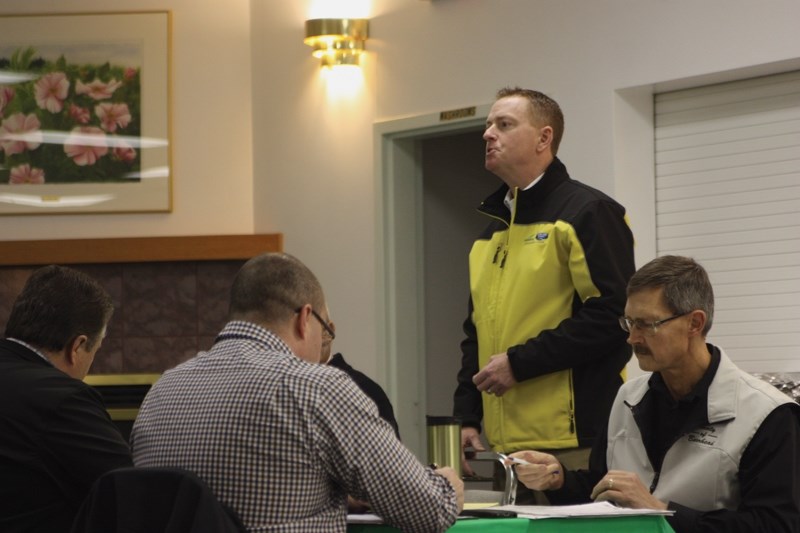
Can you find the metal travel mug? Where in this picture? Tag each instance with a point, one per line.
(444, 441)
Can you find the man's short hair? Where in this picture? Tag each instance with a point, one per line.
(544, 111)
(56, 305)
(270, 287)
(685, 283)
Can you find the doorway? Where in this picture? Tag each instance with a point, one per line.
(454, 182)
(432, 181)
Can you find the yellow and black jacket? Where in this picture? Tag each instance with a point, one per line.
(547, 285)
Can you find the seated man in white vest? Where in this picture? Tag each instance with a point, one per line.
(698, 435)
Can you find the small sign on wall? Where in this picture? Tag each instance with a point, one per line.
(453, 114)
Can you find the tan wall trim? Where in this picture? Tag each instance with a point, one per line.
(138, 249)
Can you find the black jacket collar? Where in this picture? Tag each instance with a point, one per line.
(555, 175)
(22, 352)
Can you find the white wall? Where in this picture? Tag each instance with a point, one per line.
(313, 171)
(313, 157)
(259, 144)
(212, 156)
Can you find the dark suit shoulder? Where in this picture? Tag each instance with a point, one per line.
(369, 387)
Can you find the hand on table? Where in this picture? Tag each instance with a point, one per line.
(458, 485)
(626, 490)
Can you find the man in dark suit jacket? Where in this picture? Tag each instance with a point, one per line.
(56, 437)
(369, 387)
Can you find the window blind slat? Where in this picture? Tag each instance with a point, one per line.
(730, 177)
(777, 315)
(733, 186)
(738, 87)
(713, 162)
(725, 265)
(722, 148)
(763, 250)
(733, 238)
(729, 135)
(667, 215)
(745, 107)
(723, 124)
(721, 200)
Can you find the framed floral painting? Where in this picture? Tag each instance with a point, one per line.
(84, 113)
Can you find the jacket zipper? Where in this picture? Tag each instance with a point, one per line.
(655, 482)
(571, 407)
(656, 473)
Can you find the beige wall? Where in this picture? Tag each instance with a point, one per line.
(212, 155)
(313, 161)
(268, 149)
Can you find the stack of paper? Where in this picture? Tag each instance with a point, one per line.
(533, 512)
(586, 510)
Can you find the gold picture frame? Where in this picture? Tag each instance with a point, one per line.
(85, 113)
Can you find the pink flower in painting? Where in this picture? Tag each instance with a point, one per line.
(98, 90)
(124, 152)
(25, 174)
(51, 90)
(112, 116)
(79, 114)
(20, 132)
(6, 95)
(130, 73)
(85, 145)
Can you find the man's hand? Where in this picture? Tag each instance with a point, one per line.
(469, 439)
(543, 473)
(496, 377)
(356, 506)
(626, 490)
(450, 475)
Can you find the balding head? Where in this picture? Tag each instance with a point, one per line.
(270, 287)
(279, 293)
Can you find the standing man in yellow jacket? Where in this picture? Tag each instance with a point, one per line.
(544, 355)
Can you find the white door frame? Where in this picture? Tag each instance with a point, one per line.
(400, 287)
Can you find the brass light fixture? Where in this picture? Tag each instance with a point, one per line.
(337, 41)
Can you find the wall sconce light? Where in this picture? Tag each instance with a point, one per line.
(337, 41)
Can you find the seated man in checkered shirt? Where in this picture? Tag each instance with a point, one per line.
(281, 439)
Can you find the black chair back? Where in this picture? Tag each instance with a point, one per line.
(153, 500)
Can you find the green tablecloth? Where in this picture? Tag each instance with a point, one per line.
(617, 524)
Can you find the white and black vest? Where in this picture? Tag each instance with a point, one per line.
(700, 469)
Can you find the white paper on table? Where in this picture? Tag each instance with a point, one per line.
(366, 518)
(585, 510)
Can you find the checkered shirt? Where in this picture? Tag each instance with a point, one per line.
(283, 441)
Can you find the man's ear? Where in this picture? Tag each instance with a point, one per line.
(545, 138)
(72, 347)
(302, 325)
(697, 322)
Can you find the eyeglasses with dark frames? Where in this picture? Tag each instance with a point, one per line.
(648, 329)
(327, 329)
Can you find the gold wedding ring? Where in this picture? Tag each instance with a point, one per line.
(610, 483)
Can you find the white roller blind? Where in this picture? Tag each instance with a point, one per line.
(728, 194)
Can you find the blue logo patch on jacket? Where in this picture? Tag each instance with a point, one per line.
(539, 237)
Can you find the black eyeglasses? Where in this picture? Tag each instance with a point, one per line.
(327, 329)
(648, 329)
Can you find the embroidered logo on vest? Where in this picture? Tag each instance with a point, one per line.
(539, 237)
(705, 435)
